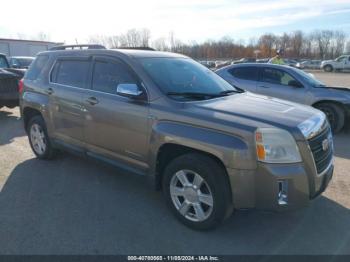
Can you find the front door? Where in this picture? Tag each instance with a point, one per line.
(278, 83)
(115, 126)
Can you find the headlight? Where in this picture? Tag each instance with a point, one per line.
(275, 145)
(313, 125)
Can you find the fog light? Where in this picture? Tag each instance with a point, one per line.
(283, 192)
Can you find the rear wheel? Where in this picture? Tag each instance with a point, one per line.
(197, 191)
(38, 138)
(335, 115)
(328, 68)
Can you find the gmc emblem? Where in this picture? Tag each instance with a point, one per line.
(325, 144)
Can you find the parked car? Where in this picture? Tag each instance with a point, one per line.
(263, 60)
(338, 64)
(9, 80)
(210, 147)
(219, 64)
(20, 61)
(290, 62)
(244, 60)
(309, 64)
(291, 84)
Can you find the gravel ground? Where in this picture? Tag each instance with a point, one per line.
(76, 206)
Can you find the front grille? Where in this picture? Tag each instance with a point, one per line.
(322, 156)
(8, 85)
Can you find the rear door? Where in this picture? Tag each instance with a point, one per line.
(68, 82)
(278, 83)
(116, 127)
(244, 77)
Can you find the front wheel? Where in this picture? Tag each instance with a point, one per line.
(38, 138)
(197, 191)
(328, 68)
(335, 115)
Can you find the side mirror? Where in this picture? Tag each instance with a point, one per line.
(295, 83)
(130, 90)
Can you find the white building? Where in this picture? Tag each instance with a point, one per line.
(16, 47)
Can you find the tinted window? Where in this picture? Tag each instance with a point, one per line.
(276, 76)
(3, 62)
(107, 76)
(246, 73)
(183, 75)
(71, 73)
(36, 67)
(23, 62)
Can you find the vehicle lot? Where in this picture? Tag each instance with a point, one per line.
(77, 206)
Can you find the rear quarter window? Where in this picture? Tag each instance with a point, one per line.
(245, 73)
(36, 67)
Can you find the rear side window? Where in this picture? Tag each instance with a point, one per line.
(107, 76)
(37, 67)
(245, 73)
(71, 73)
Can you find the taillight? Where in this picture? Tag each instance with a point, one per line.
(20, 86)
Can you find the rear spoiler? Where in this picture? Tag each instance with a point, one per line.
(74, 47)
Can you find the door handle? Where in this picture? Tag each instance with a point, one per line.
(50, 91)
(92, 100)
(264, 86)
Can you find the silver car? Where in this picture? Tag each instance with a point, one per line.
(292, 84)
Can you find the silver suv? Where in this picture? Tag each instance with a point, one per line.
(292, 84)
(210, 147)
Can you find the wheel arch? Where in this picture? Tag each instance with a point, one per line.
(169, 151)
(28, 113)
(328, 101)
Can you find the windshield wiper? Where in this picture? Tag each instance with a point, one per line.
(193, 94)
(227, 92)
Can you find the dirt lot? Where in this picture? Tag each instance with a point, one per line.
(332, 79)
(76, 206)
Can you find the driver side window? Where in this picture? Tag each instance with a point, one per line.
(107, 76)
(277, 77)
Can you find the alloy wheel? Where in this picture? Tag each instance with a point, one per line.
(37, 138)
(191, 195)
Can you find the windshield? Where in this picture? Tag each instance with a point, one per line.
(182, 75)
(3, 62)
(23, 62)
(310, 79)
(340, 58)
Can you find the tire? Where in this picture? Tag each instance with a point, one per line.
(335, 115)
(214, 191)
(39, 139)
(328, 68)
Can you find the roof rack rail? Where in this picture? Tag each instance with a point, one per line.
(138, 48)
(74, 47)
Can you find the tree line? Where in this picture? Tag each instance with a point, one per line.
(318, 44)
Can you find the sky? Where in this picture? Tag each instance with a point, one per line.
(190, 20)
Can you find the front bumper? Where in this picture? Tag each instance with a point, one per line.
(261, 188)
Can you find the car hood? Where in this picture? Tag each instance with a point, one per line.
(327, 61)
(251, 111)
(338, 88)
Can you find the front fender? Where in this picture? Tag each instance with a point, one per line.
(232, 150)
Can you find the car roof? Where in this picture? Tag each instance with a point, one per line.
(256, 65)
(125, 52)
(24, 57)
